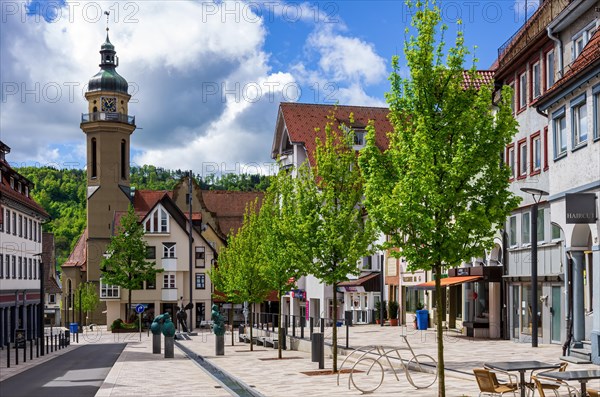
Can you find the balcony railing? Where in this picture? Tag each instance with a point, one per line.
(530, 30)
(107, 116)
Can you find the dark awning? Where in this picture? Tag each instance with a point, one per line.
(448, 282)
(369, 283)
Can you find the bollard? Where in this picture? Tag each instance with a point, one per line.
(24, 351)
(318, 349)
(47, 344)
(294, 325)
(37, 347)
(155, 344)
(8, 355)
(220, 345)
(55, 342)
(347, 335)
(30, 349)
(301, 327)
(322, 325)
(16, 353)
(311, 324)
(285, 332)
(169, 347)
(77, 337)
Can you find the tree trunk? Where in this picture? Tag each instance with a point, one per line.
(128, 306)
(251, 324)
(279, 329)
(437, 268)
(334, 315)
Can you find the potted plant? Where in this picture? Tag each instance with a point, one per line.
(378, 307)
(393, 310)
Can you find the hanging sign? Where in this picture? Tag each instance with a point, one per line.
(581, 207)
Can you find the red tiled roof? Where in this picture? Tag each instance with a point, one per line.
(589, 56)
(21, 198)
(229, 207)
(78, 257)
(484, 77)
(301, 119)
(145, 200)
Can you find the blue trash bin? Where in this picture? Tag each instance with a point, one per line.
(422, 319)
(74, 328)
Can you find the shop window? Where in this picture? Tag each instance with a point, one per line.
(526, 316)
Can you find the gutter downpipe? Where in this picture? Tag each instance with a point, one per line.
(560, 50)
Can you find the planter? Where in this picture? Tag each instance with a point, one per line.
(378, 321)
(394, 322)
(123, 330)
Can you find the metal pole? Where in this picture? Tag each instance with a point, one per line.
(534, 276)
(382, 301)
(190, 242)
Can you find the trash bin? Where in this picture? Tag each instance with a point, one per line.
(348, 317)
(422, 319)
(74, 328)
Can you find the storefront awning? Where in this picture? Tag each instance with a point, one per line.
(448, 282)
(369, 283)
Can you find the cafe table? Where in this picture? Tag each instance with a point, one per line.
(583, 376)
(521, 367)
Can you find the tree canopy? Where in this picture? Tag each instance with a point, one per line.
(439, 191)
(126, 264)
(341, 233)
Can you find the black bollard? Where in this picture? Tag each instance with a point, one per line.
(311, 324)
(55, 342)
(48, 344)
(37, 347)
(294, 325)
(24, 351)
(322, 325)
(31, 349)
(8, 356)
(347, 335)
(301, 327)
(77, 337)
(16, 352)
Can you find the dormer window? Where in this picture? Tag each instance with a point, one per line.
(581, 39)
(27, 191)
(359, 138)
(12, 182)
(19, 187)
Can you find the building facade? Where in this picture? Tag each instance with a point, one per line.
(21, 237)
(572, 108)
(293, 144)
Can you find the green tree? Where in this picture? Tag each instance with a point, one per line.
(439, 191)
(341, 234)
(284, 226)
(89, 298)
(126, 264)
(240, 273)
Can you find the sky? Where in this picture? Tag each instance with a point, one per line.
(206, 78)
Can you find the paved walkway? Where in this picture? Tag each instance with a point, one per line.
(139, 372)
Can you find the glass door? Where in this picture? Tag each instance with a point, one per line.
(556, 314)
(516, 304)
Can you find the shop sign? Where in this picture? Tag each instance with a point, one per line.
(462, 271)
(581, 207)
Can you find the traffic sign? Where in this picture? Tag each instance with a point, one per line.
(139, 309)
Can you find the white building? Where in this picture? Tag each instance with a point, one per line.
(21, 221)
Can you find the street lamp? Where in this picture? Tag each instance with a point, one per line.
(534, 262)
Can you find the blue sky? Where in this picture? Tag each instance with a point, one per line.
(206, 78)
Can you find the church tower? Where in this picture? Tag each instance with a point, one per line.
(108, 129)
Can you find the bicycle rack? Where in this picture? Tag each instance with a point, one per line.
(391, 357)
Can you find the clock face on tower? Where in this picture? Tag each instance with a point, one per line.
(109, 104)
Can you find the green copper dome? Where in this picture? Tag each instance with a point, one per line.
(107, 79)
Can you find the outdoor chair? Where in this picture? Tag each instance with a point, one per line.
(488, 383)
(553, 385)
(593, 392)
